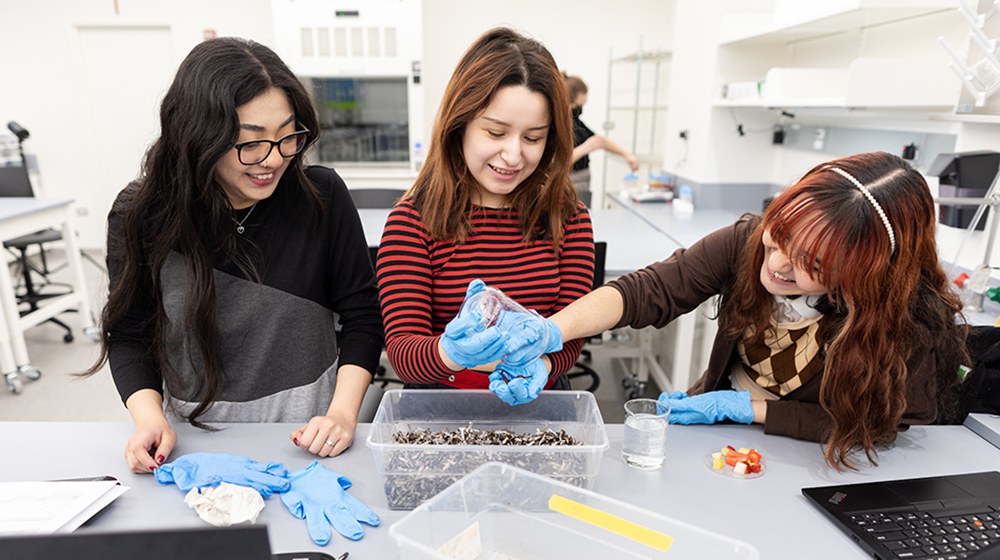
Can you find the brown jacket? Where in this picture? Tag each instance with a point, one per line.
(668, 289)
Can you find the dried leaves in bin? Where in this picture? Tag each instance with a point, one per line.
(412, 476)
(473, 436)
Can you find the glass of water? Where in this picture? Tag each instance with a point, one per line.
(645, 445)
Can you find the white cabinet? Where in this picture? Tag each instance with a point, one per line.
(913, 84)
(882, 83)
(795, 20)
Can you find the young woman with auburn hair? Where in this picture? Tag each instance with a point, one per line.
(837, 322)
(493, 202)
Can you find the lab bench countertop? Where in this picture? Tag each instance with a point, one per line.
(768, 512)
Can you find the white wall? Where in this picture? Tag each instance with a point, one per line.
(581, 35)
(716, 153)
(88, 148)
(49, 85)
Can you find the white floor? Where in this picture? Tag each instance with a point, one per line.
(61, 395)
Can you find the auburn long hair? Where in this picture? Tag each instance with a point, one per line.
(879, 295)
(177, 205)
(444, 190)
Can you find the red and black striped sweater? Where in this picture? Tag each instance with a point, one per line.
(422, 284)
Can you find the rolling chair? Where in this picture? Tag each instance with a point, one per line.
(377, 198)
(14, 182)
(582, 367)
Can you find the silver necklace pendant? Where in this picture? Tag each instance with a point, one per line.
(239, 224)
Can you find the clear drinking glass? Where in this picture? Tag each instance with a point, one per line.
(645, 443)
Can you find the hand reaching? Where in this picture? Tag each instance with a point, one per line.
(709, 408)
(518, 385)
(529, 337)
(467, 342)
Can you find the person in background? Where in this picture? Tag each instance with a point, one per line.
(586, 141)
(231, 264)
(837, 323)
(493, 202)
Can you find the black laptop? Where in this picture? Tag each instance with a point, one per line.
(230, 543)
(942, 517)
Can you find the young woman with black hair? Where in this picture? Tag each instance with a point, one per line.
(232, 265)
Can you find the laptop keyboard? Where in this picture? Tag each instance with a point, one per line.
(945, 535)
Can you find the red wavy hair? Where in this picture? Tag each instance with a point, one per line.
(878, 294)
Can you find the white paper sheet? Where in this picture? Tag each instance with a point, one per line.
(38, 508)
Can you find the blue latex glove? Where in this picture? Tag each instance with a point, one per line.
(518, 385)
(196, 470)
(529, 339)
(665, 397)
(466, 342)
(709, 408)
(318, 495)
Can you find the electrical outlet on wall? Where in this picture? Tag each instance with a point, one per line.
(819, 139)
(82, 211)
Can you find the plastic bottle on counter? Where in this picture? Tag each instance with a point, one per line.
(684, 201)
(630, 183)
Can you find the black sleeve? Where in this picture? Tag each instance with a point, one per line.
(133, 366)
(353, 293)
(581, 132)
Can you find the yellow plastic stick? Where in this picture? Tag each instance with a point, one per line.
(598, 518)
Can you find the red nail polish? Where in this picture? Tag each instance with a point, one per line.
(296, 441)
(152, 468)
(160, 459)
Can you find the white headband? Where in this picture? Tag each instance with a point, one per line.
(868, 195)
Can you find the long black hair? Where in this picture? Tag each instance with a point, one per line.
(177, 205)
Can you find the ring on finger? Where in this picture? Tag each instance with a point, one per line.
(330, 443)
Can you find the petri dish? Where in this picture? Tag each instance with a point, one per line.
(727, 470)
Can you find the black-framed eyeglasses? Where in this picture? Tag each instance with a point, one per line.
(256, 151)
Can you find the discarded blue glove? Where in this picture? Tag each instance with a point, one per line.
(710, 408)
(467, 342)
(664, 397)
(318, 495)
(196, 470)
(518, 385)
(530, 336)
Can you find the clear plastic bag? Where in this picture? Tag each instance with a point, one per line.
(518, 324)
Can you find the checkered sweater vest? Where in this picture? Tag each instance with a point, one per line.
(786, 358)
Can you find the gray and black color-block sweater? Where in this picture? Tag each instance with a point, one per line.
(280, 349)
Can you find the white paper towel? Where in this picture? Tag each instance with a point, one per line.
(225, 504)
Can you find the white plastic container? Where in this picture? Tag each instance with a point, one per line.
(502, 512)
(413, 473)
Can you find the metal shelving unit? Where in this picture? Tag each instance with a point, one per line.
(637, 111)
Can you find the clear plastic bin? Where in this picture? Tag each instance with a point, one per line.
(413, 473)
(502, 512)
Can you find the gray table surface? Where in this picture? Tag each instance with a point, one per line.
(16, 207)
(683, 229)
(769, 512)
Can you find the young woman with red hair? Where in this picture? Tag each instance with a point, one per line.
(492, 202)
(837, 323)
